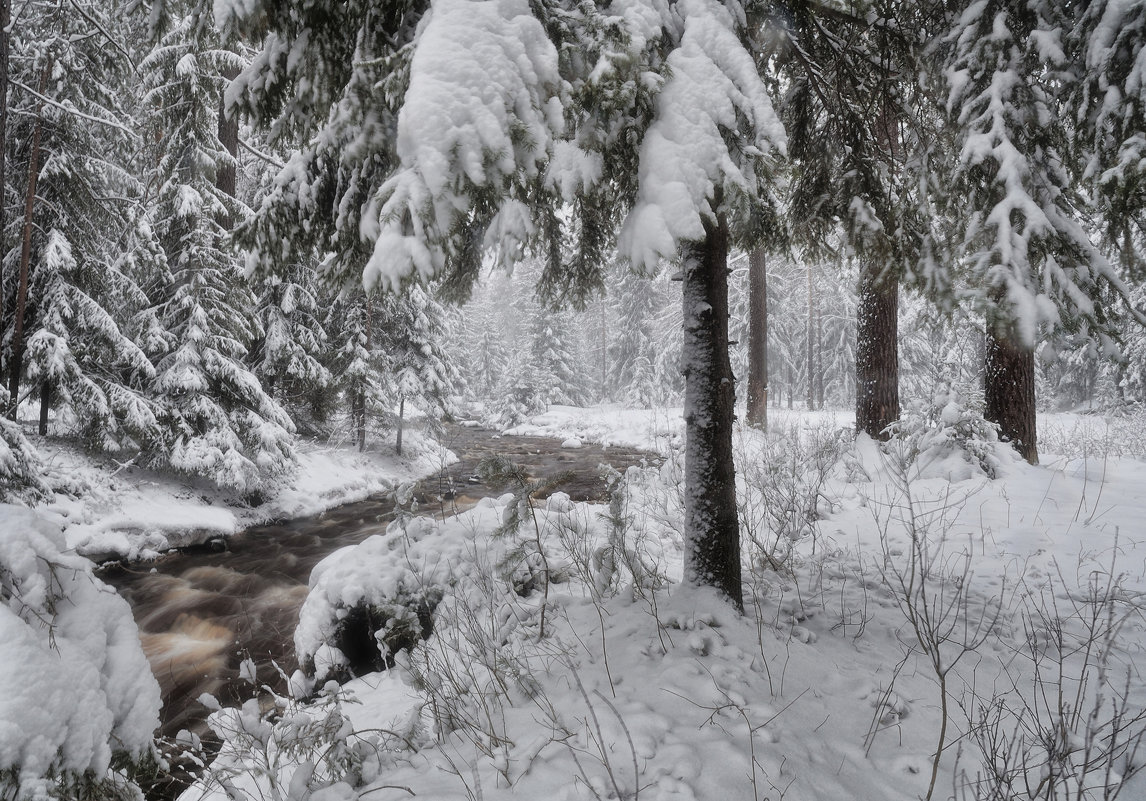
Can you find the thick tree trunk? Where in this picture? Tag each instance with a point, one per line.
(757, 340)
(401, 419)
(1009, 390)
(877, 351)
(712, 533)
(17, 365)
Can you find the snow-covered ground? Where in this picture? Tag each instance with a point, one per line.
(113, 510)
(899, 604)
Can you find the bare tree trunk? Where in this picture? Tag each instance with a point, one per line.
(791, 386)
(1009, 390)
(401, 420)
(226, 176)
(358, 417)
(757, 340)
(819, 355)
(604, 352)
(810, 400)
(5, 20)
(17, 365)
(359, 410)
(877, 351)
(712, 532)
(45, 406)
(877, 316)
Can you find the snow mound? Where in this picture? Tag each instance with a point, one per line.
(572, 442)
(79, 685)
(368, 601)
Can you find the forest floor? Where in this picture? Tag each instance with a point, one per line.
(932, 620)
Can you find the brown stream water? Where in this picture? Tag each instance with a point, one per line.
(201, 613)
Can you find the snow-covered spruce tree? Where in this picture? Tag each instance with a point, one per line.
(288, 355)
(218, 421)
(853, 125)
(695, 194)
(20, 467)
(1105, 44)
(505, 114)
(553, 362)
(410, 335)
(73, 296)
(355, 364)
(633, 344)
(82, 361)
(481, 350)
(1012, 194)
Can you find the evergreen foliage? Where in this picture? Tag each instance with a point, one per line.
(355, 364)
(218, 421)
(1019, 222)
(288, 356)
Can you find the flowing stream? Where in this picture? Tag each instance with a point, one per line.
(201, 612)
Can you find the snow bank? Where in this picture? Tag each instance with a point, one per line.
(78, 684)
(119, 511)
(386, 586)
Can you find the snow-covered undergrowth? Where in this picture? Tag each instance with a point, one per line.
(913, 629)
(112, 510)
(78, 687)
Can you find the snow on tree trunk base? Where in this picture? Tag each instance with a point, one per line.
(877, 351)
(712, 533)
(1009, 390)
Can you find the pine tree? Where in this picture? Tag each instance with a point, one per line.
(217, 419)
(1104, 43)
(410, 334)
(854, 124)
(633, 345)
(1014, 200)
(552, 360)
(74, 295)
(356, 365)
(81, 359)
(533, 120)
(288, 356)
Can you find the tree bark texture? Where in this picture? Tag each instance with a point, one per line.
(877, 351)
(819, 356)
(5, 20)
(17, 365)
(712, 531)
(757, 340)
(810, 399)
(45, 407)
(358, 409)
(1009, 390)
(226, 175)
(358, 416)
